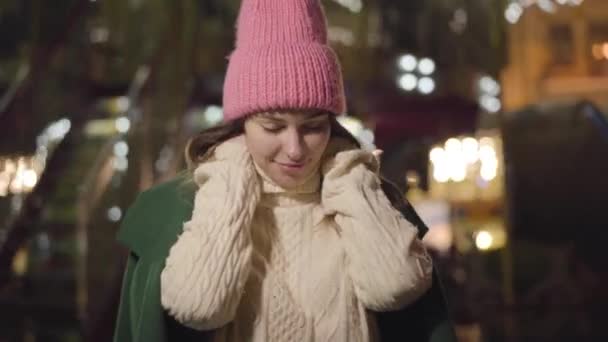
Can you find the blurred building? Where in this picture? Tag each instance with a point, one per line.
(556, 51)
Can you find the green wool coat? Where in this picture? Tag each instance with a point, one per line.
(152, 225)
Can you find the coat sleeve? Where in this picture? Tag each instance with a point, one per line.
(149, 229)
(140, 316)
(122, 329)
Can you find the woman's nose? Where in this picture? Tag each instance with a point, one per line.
(294, 146)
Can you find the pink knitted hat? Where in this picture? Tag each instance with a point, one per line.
(282, 60)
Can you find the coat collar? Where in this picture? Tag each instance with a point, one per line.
(153, 223)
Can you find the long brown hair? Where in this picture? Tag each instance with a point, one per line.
(199, 144)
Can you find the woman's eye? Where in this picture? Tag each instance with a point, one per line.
(271, 128)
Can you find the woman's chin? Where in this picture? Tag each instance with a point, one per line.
(290, 179)
(289, 182)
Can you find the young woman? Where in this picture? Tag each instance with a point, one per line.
(285, 232)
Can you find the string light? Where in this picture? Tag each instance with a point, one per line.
(121, 149)
(426, 85)
(426, 66)
(488, 91)
(20, 174)
(416, 74)
(123, 124)
(483, 240)
(408, 82)
(459, 158)
(213, 115)
(114, 214)
(408, 62)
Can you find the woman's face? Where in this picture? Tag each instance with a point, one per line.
(286, 145)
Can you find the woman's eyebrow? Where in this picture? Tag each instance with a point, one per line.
(317, 116)
(270, 117)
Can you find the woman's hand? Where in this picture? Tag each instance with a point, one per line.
(387, 263)
(205, 273)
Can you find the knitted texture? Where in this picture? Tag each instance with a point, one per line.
(208, 266)
(307, 265)
(390, 268)
(282, 60)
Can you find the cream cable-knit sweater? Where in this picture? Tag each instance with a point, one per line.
(260, 263)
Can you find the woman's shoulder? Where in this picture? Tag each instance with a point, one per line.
(155, 219)
(180, 188)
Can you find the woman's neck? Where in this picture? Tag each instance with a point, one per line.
(276, 195)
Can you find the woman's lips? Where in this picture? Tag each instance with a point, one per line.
(291, 167)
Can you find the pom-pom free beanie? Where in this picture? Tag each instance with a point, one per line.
(282, 60)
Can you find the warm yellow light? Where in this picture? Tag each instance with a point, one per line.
(483, 240)
(20, 174)
(412, 178)
(20, 261)
(487, 153)
(441, 173)
(467, 167)
(4, 184)
(597, 51)
(30, 178)
(488, 173)
(16, 186)
(455, 161)
(437, 155)
(469, 149)
(605, 50)
(486, 141)
(453, 145)
(10, 166)
(120, 104)
(105, 127)
(458, 172)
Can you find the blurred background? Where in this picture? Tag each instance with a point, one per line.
(492, 115)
